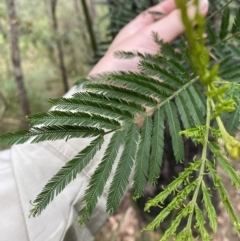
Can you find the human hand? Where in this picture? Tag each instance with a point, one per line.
(137, 35)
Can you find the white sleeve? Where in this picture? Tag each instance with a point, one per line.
(25, 169)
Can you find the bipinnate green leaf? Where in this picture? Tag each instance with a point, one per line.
(200, 224)
(231, 73)
(65, 175)
(100, 107)
(132, 54)
(235, 51)
(121, 93)
(79, 99)
(172, 64)
(171, 231)
(225, 63)
(163, 74)
(142, 159)
(174, 127)
(233, 124)
(100, 176)
(226, 202)
(236, 24)
(166, 48)
(183, 111)
(211, 212)
(224, 23)
(227, 167)
(185, 235)
(224, 196)
(157, 147)
(142, 84)
(176, 204)
(121, 177)
(211, 34)
(49, 133)
(199, 98)
(173, 186)
(73, 118)
(193, 108)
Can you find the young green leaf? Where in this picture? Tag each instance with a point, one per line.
(171, 231)
(200, 224)
(175, 204)
(226, 202)
(173, 186)
(212, 216)
(227, 167)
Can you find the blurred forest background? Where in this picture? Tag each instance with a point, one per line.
(55, 51)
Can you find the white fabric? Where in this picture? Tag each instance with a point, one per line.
(24, 170)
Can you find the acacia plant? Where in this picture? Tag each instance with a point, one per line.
(199, 86)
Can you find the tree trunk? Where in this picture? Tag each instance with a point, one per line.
(81, 24)
(4, 51)
(89, 26)
(16, 59)
(62, 66)
(92, 10)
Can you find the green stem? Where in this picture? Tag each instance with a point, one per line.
(89, 26)
(220, 124)
(219, 10)
(202, 168)
(225, 40)
(225, 82)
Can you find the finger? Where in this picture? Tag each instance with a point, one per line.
(168, 28)
(142, 20)
(147, 18)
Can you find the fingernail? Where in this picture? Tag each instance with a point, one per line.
(203, 3)
(203, 7)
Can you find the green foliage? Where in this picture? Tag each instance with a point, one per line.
(174, 126)
(65, 175)
(142, 159)
(100, 176)
(49, 133)
(157, 144)
(196, 84)
(224, 23)
(121, 177)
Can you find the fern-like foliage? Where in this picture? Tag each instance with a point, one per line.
(106, 108)
(193, 84)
